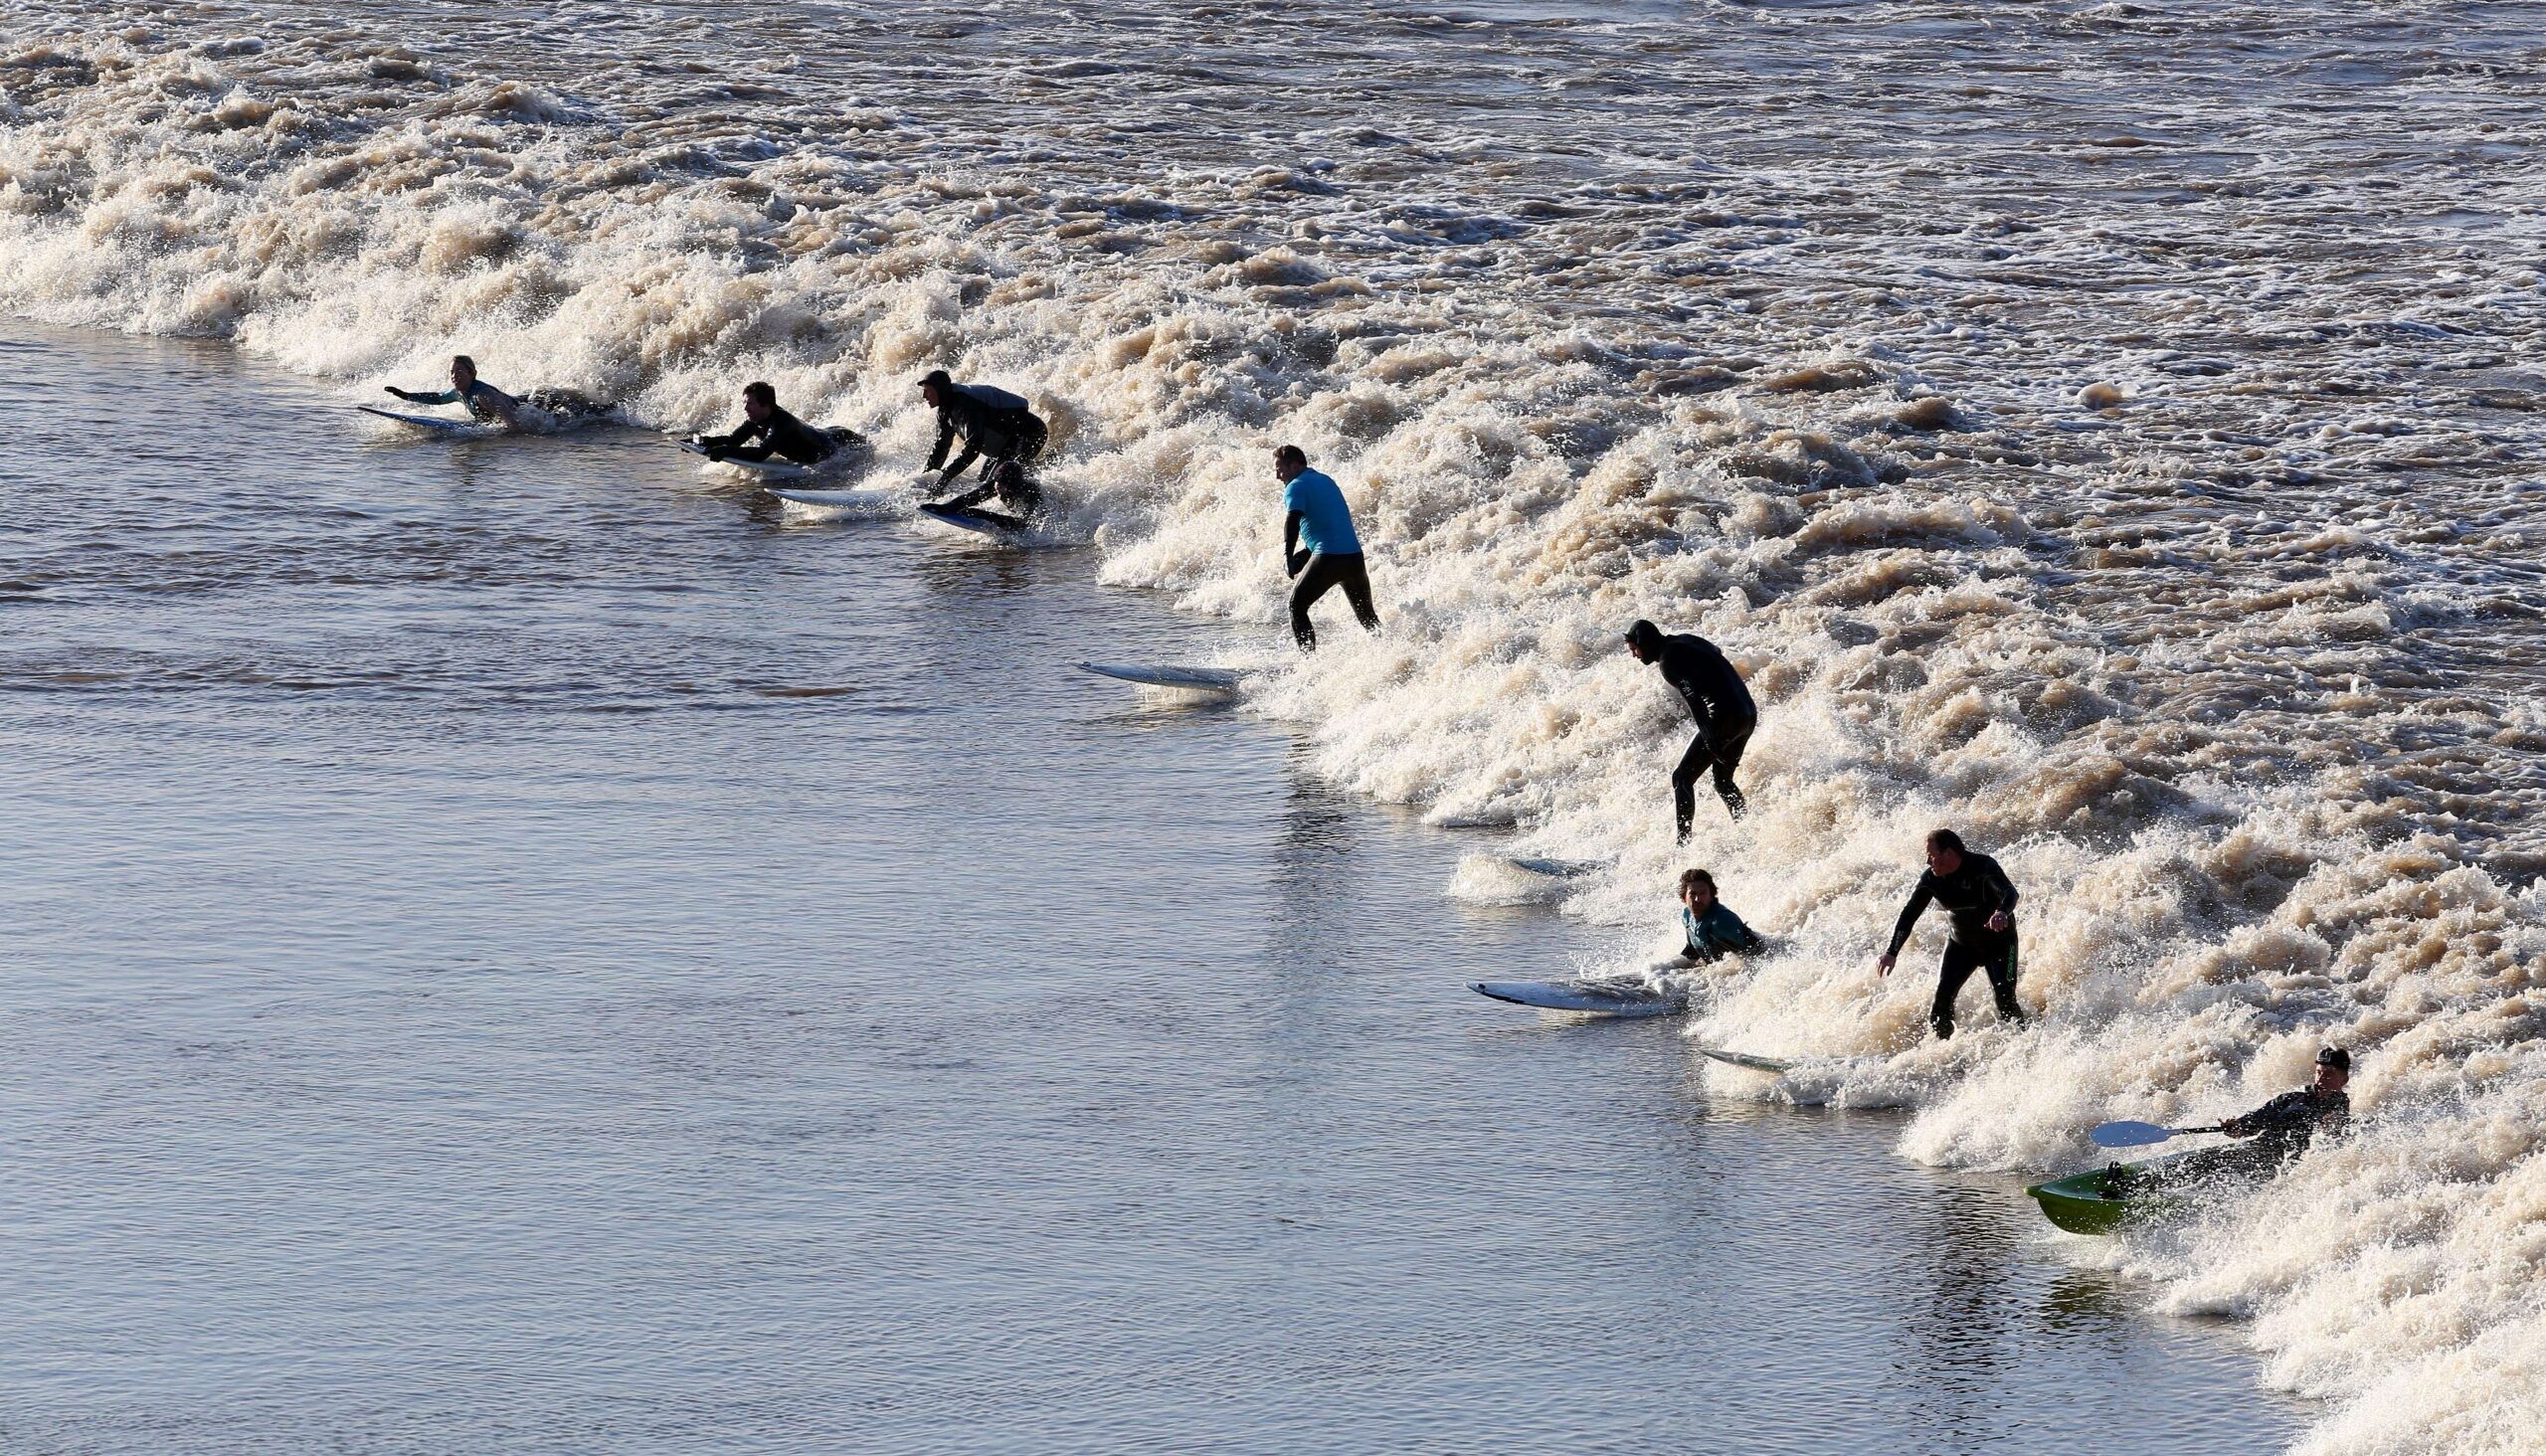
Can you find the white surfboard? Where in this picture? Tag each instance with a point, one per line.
(436, 424)
(833, 498)
(773, 468)
(1596, 997)
(1746, 1061)
(1183, 680)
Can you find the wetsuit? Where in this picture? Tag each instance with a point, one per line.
(1716, 934)
(2287, 1123)
(991, 421)
(1721, 702)
(485, 400)
(1026, 499)
(1977, 890)
(782, 434)
(1319, 523)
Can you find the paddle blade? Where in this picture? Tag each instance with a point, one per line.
(2128, 1135)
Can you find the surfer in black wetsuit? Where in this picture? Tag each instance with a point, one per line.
(768, 431)
(1010, 484)
(991, 421)
(486, 402)
(1982, 901)
(1721, 704)
(2284, 1127)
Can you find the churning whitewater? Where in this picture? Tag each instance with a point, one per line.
(2109, 431)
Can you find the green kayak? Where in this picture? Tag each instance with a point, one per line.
(2105, 1200)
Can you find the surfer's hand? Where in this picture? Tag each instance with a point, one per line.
(1998, 920)
(395, 390)
(1884, 966)
(1291, 565)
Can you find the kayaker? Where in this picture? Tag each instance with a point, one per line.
(2284, 1127)
(1714, 931)
(1719, 701)
(1982, 901)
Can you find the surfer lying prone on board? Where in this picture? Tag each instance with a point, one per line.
(486, 402)
(1714, 932)
(768, 431)
(1010, 484)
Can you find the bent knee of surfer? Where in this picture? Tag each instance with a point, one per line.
(1713, 930)
(1010, 486)
(1980, 900)
(1321, 549)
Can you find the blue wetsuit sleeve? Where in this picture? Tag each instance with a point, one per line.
(1911, 912)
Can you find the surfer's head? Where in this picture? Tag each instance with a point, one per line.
(1288, 461)
(463, 371)
(2333, 1069)
(1697, 890)
(759, 401)
(1008, 477)
(1644, 640)
(934, 385)
(1944, 851)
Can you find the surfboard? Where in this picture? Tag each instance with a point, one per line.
(438, 424)
(987, 523)
(1747, 1060)
(830, 497)
(1596, 997)
(1552, 868)
(1186, 679)
(772, 468)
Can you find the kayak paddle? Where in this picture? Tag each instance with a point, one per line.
(2137, 1134)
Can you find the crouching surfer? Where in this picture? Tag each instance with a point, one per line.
(768, 431)
(1719, 701)
(1012, 488)
(1982, 902)
(992, 422)
(1714, 931)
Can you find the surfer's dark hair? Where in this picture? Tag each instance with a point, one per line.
(462, 361)
(2334, 1056)
(938, 377)
(759, 388)
(1644, 635)
(1690, 877)
(1946, 840)
(1290, 452)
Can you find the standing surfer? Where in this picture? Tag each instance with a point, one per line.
(1319, 549)
(768, 431)
(1721, 704)
(991, 421)
(1982, 901)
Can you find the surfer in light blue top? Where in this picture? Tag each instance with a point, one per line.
(486, 402)
(1714, 932)
(1319, 549)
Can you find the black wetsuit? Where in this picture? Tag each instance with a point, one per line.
(782, 434)
(1026, 501)
(991, 421)
(1726, 716)
(2287, 1123)
(1977, 890)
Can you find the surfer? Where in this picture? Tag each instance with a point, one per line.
(1714, 931)
(1982, 901)
(1721, 704)
(1010, 484)
(1320, 550)
(768, 431)
(991, 421)
(486, 402)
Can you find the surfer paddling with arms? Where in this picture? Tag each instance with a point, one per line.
(1982, 901)
(1319, 549)
(486, 402)
(991, 421)
(768, 431)
(1721, 702)
(1714, 931)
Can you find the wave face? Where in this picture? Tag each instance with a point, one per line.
(2110, 431)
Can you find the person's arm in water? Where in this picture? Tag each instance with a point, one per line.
(1909, 921)
(970, 498)
(1293, 558)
